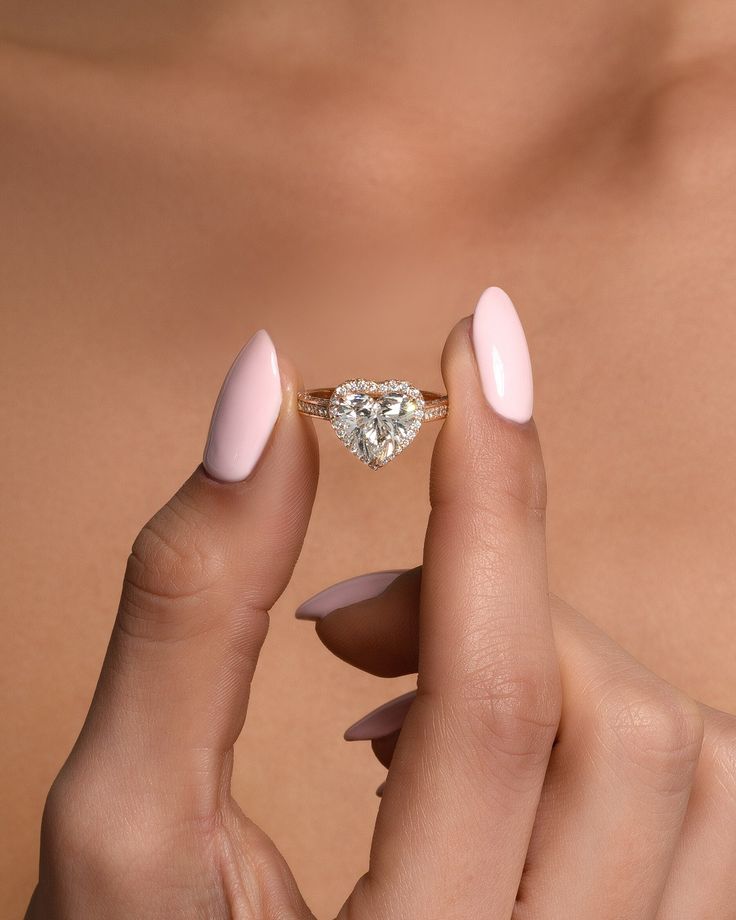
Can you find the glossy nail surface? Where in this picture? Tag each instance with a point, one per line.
(383, 721)
(350, 591)
(245, 412)
(503, 356)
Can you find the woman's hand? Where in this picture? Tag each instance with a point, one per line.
(637, 817)
(634, 815)
(140, 822)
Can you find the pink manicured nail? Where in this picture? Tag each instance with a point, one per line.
(350, 591)
(503, 356)
(245, 412)
(382, 721)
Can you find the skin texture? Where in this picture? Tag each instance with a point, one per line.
(622, 770)
(481, 816)
(175, 179)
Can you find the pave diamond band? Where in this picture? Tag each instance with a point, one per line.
(374, 420)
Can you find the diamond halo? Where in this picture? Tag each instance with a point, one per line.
(376, 420)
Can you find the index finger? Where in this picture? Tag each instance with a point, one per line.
(466, 777)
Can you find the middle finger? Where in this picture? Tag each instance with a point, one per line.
(619, 779)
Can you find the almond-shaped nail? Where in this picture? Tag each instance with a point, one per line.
(503, 356)
(245, 412)
(383, 721)
(350, 591)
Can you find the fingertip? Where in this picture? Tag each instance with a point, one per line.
(456, 362)
(489, 439)
(345, 593)
(372, 621)
(382, 721)
(245, 412)
(493, 344)
(502, 356)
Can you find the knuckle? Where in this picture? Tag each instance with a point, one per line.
(173, 564)
(720, 754)
(56, 811)
(651, 725)
(514, 711)
(91, 831)
(72, 823)
(173, 554)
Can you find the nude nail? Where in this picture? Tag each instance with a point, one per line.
(383, 721)
(503, 356)
(350, 591)
(245, 412)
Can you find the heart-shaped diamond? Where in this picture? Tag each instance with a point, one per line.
(376, 421)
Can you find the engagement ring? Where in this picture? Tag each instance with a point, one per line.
(375, 421)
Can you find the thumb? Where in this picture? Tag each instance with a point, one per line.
(199, 582)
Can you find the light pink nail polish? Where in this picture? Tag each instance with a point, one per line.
(245, 412)
(350, 591)
(382, 721)
(503, 356)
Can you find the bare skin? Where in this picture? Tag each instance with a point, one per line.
(169, 191)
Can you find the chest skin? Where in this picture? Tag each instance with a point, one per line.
(352, 187)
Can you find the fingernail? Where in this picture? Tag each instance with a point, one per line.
(350, 591)
(383, 721)
(379, 791)
(245, 412)
(503, 356)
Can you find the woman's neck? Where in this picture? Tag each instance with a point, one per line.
(464, 31)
